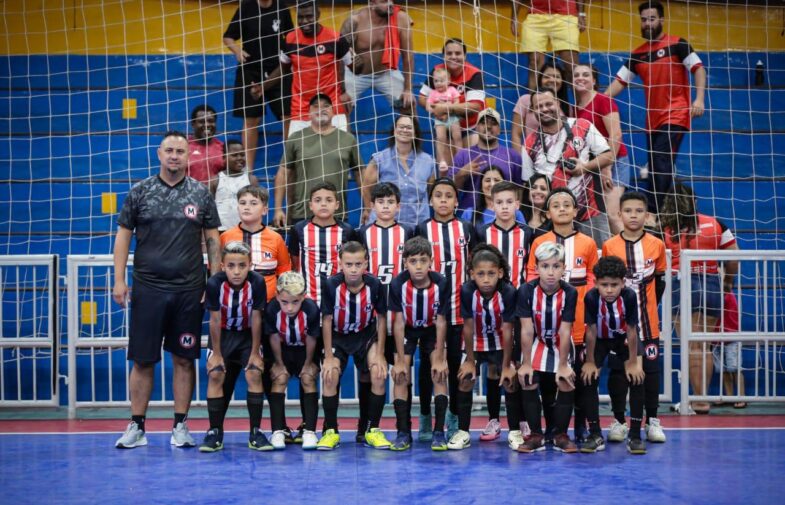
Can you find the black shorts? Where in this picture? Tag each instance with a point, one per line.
(245, 105)
(235, 347)
(355, 345)
(425, 339)
(174, 317)
(293, 357)
(649, 349)
(579, 357)
(615, 350)
(540, 377)
(490, 357)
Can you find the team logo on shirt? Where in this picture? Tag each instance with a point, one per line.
(368, 307)
(187, 340)
(578, 143)
(320, 49)
(462, 241)
(267, 255)
(519, 253)
(660, 53)
(578, 262)
(436, 306)
(400, 248)
(649, 262)
(460, 88)
(191, 211)
(651, 351)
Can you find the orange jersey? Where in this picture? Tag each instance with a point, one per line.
(644, 258)
(269, 255)
(580, 256)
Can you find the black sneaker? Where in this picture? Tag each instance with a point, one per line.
(298, 437)
(593, 443)
(636, 446)
(258, 441)
(213, 441)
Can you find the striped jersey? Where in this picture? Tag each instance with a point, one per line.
(514, 245)
(613, 319)
(580, 256)
(293, 330)
(645, 259)
(488, 314)
(269, 255)
(235, 304)
(418, 306)
(353, 312)
(385, 249)
(315, 251)
(451, 242)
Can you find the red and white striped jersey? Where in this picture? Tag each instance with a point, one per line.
(418, 306)
(514, 245)
(236, 305)
(488, 314)
(451, 242)
(547, 313)
(385, 249)
(612, 318)
(353, 312)
(315, 252)
(293, 330)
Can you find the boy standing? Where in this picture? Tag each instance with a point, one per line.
(644, 256)
(224, 188)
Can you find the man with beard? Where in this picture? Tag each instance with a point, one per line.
(316, 56)
(662, 63)
(379, 35)
(320, 152)
(205, 150)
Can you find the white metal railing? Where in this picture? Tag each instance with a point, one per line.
(767, 340)
(28, 331)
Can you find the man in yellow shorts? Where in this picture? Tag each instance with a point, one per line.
(557, 21)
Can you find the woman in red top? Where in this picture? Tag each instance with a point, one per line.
(602, 111)
(685, 228)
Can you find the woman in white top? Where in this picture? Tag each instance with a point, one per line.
(224, 188)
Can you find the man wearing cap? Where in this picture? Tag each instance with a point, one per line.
(469, 164)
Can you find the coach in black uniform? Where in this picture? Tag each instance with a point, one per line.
(169, 212)
(262, 25)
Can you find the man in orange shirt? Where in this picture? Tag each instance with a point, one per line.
(580, 258)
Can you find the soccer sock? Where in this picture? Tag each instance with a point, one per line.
(409, 394)
(363, 392)
(591, 407)
(532, 409)
(277, 409)
(139, 420)
(330, 406)
(636, 410)
(216, 412)
(375, 409)
(441, 411)
(255, 403)
(402, 415)
(548, 392)
(617, 388)
(562, 411)
(426, 386)
(514, 410)
(180, 418)
(651, 385)
(579, 414)
(302, 404)
(464, 409)
(493, 395)
(310, 408)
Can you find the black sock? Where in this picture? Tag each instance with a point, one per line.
(363, 392)
(651, 386)
(426, 385)
(277, 409)
(532, 409)
(178, 418)
(216, 412)
(579, 414)
(454, 357)
(514, 409)
(617, 389)
(310, 408)
(330, 406)
(562, 411)
(636, 410)
(493, 394)
(548, 392)
(139, 420)
(375, 409)
(441, 411)
(402, 416)
(302, 404)
(409, 394)
(464, 409)
(591, 406)
(255, 403)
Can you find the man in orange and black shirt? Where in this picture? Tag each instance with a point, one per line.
(663, 63)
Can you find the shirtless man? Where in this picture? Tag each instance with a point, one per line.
(379, 34)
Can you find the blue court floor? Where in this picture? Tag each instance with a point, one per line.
(697, 466)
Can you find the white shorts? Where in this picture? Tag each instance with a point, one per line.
(388, 83)
(339, 121)
(730, 356)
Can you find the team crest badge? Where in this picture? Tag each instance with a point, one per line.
(187, 340)
(578, 261)
(652, 351)
(578, 143)
(320, 49)
(191, 211)
(660, 53)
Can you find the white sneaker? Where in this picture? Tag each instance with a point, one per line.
(492, 431)
(461, 440)
(278, 440)
(514, 439)
(654, 432)
(309, 440)
(181, 437)
(617, 431)
(133, 437)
